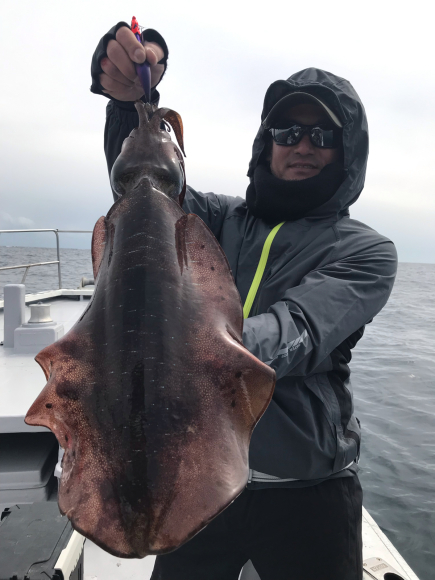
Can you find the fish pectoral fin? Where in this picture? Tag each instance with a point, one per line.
(98, 244)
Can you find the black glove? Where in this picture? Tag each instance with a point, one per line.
(101, 51)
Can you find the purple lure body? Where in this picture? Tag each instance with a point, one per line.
(144, 73)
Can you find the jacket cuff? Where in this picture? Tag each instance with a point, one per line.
(101, 52)
(261, 336)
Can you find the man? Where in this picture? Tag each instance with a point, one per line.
(326, 277)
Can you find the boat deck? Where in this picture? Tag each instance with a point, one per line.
(21, 382)
(99, 565)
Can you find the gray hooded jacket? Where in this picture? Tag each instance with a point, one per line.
(326, 277)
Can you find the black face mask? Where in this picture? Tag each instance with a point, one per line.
(276, 200)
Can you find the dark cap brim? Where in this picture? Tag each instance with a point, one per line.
(297, 98)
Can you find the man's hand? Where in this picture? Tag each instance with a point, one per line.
(119, 79)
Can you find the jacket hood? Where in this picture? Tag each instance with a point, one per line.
(340, 96)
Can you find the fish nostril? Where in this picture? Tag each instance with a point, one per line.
(48, 405)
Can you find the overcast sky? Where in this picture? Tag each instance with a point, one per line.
(223, 56)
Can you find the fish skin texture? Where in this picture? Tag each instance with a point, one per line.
(152, 394)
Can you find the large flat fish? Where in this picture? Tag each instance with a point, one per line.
(152, 394)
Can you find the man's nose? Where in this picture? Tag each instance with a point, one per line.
(304, 147)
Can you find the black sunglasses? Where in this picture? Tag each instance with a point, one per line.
(323, 137)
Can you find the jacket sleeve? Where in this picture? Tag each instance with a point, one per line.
(210, 207)
(300, 331)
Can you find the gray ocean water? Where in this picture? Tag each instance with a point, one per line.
(393, 371)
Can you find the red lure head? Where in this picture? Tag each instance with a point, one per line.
(135, 26)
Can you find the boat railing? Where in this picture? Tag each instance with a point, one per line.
(27, 266)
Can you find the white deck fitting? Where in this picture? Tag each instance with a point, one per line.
(377, 545)
(22, 380)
